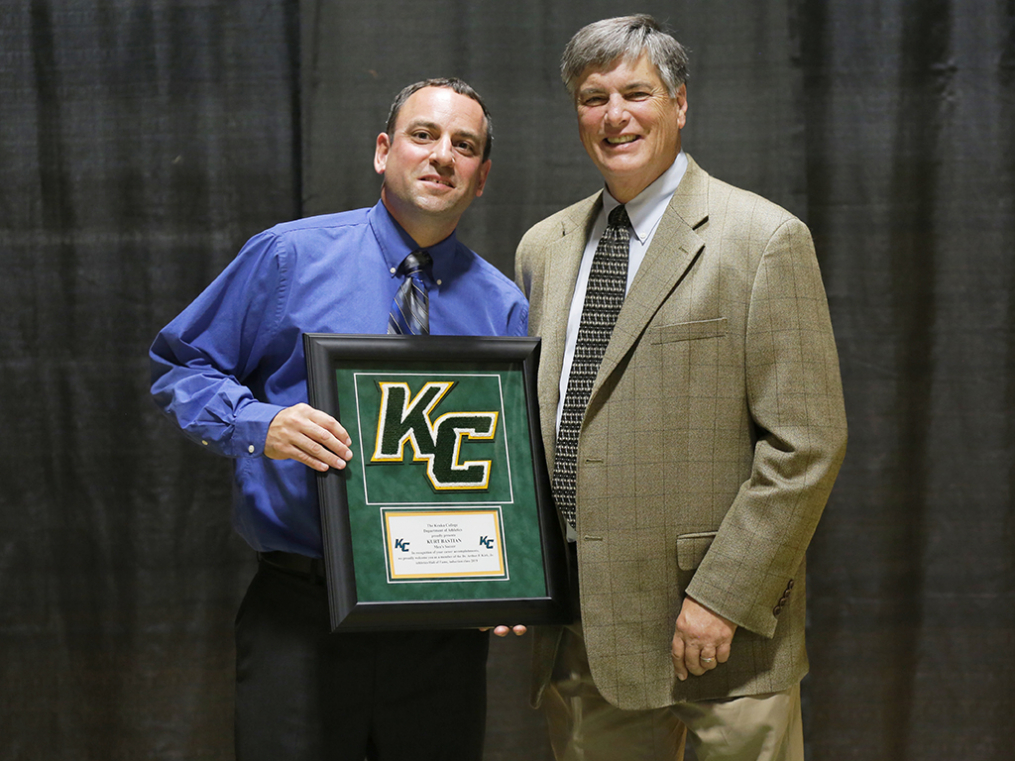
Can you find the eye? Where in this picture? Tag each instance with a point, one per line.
(638, 95)
(420, 134)
(466, 147)
(593, 100)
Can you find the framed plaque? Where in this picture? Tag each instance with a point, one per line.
(444, 516)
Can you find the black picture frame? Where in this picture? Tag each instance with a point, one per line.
(340, 371)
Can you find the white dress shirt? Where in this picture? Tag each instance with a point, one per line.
(645, 211)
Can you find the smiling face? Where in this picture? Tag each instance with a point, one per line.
(433, 162)
(629, 124)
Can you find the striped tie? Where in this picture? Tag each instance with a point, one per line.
(603, 299)
(410, 311)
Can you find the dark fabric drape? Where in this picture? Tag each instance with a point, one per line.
(911, 196)
(142, 142)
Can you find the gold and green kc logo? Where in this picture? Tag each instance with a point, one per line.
(444, 436)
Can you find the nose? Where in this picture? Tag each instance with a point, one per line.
(443, 152)
(616, 111)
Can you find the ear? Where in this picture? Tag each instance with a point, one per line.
(381, 152)
(484, 172)
(681, 98)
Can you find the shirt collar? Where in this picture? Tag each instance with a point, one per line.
(395, 244)
(646, 209)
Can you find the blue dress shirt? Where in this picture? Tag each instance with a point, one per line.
(234, 358)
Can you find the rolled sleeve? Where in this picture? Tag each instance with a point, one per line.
(199, 359)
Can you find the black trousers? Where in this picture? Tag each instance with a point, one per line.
(305, 694)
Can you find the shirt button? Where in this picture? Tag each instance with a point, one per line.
(439, 282)
(204, 442)
(392, 270)
(251, 449)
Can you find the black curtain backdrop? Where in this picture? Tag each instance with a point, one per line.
(141, 142)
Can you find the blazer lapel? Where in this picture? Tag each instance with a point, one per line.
(563, 259)
(674, 247)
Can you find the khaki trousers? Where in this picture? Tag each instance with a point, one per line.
(583, 726)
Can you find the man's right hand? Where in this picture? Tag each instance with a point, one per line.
(503, 631)
(310, 436)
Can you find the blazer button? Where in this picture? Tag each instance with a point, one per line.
(789, 584)
(777, 610)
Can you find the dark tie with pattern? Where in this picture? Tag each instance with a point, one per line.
(603, 299)
(410, 311)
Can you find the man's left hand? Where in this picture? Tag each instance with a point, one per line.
(701, 641)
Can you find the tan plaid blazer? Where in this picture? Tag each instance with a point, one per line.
(713, 435)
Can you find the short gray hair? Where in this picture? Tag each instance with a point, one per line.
(452, 83)
(603, 42)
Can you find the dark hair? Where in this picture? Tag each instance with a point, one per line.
(452, 83)
(603, 42)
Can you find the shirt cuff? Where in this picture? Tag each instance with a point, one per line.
(251, 428)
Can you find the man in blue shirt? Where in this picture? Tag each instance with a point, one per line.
(230, 371)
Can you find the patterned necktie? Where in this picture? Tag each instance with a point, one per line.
(410, 311)
(603, 299)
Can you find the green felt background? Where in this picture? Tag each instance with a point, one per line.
(406, 485)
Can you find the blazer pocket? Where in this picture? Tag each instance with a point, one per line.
(691, 549)
(689, 331)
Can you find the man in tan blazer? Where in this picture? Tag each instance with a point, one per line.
(709, 441)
